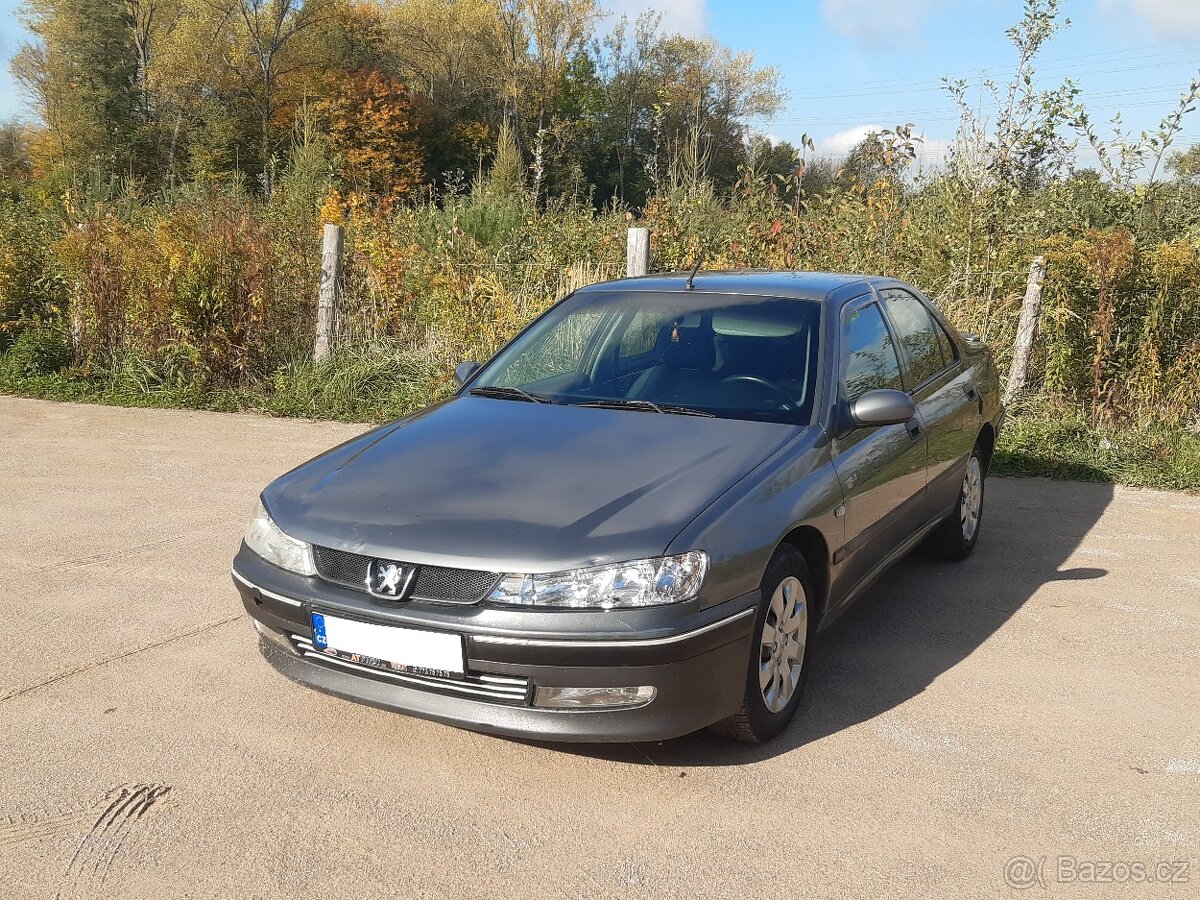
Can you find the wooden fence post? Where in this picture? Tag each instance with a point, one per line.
(333, 246)
(1031, 312)
(637, 256)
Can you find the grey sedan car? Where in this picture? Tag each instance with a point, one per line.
(634, 521)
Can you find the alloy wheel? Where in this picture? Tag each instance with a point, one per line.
(781, 648)
(972, 499)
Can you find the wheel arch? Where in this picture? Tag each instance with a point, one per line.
(812, 545)
(987, 445)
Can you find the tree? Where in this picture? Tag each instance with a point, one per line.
(449, 49)
(705, 94)
(1186, 163)
(627, 67)
(16, 160)
(82, 77)
(507, 177)
(449, 52)
(150, 21)
(259, 41)
(1024, 142)
(192, 95)
(371, 125)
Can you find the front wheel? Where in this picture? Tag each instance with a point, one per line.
(956, 537)
(779, 651)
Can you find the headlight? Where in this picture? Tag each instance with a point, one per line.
(642, 582)
(264, 538)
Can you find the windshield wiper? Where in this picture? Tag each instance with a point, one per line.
(666, 409)
(674, 409)
(508, 393)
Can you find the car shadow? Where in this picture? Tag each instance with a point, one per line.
(918, 622)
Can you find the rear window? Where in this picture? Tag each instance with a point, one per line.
(917, 333)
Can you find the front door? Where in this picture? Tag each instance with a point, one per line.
(881, 469)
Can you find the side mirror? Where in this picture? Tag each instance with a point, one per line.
(464, 370)
(882, 407)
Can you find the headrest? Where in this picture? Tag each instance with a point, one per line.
(690, 348)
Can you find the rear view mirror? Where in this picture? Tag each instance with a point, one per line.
(464, 370)
(882, 407)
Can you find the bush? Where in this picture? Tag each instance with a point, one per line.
(37, 351)
(369, 383)
(32, 283)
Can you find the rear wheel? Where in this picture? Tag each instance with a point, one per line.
(955, 538)
(779, 651)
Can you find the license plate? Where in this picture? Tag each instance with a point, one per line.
(389, 646)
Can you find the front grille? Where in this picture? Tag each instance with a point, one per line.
(431, 583)
(349, 569)
(512, 689)
(459, 585)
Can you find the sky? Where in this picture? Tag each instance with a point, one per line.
(854, 66)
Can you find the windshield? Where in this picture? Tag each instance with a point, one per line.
(730, 356)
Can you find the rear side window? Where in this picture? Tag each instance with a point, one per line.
(871, 361)
(949, 353)
(916, 330)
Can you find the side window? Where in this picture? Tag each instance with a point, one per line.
(949, 352)
(870, 357)
(641, 334)
(917, 332)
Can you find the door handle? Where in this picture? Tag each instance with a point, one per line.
(914, 428)
(969, 390)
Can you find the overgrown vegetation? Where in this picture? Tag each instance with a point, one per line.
(484, 171)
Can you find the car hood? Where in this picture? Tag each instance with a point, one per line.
(511, 486)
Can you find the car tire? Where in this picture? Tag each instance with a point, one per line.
(773, 687)
(956, 537)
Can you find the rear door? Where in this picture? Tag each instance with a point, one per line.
(941, 391)
(882, 469)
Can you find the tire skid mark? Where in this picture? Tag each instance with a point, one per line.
(43, 823)
(112, 830)
(35, 831)
(95, 664)
(127, 556)
(40, 619)
(107, 556)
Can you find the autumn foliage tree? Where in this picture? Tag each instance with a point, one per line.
(156, 93)
(371, 125)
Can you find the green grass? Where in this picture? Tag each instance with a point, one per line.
(367, 384)
(382, 382)
(1060, 442)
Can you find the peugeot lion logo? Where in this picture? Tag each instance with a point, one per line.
(389, 579)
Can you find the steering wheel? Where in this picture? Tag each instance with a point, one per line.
(778, 393)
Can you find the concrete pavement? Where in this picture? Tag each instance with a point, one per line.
(1039, 700)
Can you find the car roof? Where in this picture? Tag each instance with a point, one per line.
(788, 285)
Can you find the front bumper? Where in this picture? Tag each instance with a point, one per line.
(695, 659)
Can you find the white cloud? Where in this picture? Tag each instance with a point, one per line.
(875, 22)
(930, 152)
(844, 141)
(933, 153)
(1174, 19)
(688, 17)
